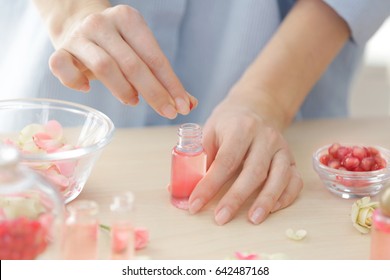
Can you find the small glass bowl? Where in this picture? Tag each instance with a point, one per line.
(87, 130)
(352, 184)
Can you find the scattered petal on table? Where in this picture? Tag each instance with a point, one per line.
(296, 235)
(141, 238)
(245, 256)
(361, 214)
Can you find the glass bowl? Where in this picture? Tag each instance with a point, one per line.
(352, 184)
(80, 133)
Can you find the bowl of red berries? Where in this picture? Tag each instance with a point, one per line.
(352, 171)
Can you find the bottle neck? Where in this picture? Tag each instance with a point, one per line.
(83, 211)
(190, 138)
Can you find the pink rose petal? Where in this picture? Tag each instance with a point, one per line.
(45, 142)
(54, 129)
(141, 238)
(66, 168)
(9, 142)
(58, 179)
(241, 256)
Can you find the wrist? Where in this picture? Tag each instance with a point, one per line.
(262, 102)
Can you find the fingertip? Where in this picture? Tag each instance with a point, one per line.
(223, 216)
(132, 101)
(195, 206)
(183, 107)
(257, 216)
(193, 102)
(169, 111)
(85, 88)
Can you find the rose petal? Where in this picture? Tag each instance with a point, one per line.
(361, 214)
(54, 129)
(141, 238)
(28, 131)
(45, 142)
(297, 235)
(56, 178)
(9, 142)
(66, 168)
(17, 206)
(242, 256)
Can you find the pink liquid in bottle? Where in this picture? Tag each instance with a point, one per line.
(122, 241)
(81, 242)
(188, 164)
(81, 231)
(380, 233)
(122, 229)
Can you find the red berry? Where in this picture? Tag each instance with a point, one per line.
(332, 150)
(22, 238)
(356, 158)
(351, 162)
(359, 152)
(342, 152)
(367, 163)
(325, 159)
(334, 163)
(380, 161)
(372, 151)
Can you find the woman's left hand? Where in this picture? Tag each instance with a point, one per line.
(241, 145)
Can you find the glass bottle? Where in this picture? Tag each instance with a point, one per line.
(81, 231)
(31, 211)
(188, 164)
(122, 227)
(380, 233)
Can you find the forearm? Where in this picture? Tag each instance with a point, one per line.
(59, 15)
(283, 74)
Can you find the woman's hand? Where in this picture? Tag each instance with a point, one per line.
(115, 46)
(242, 145)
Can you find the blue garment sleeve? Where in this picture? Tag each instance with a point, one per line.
(364, 17)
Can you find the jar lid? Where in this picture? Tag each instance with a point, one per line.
(384, 202)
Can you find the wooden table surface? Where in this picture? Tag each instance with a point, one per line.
(138, 160)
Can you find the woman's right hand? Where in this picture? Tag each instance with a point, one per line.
(115, 46)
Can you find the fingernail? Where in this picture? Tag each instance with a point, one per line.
(85, 88)
(193, 102)
(182, 106)
(195, 206)
(222, 216)
(257, 216)
(169, 111)
(276, 207)
(133, 101)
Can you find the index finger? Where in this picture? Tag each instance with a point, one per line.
(143, 42)
(222, 169)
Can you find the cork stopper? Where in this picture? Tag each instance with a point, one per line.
(384, 202)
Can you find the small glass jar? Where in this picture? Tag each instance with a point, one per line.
(189, 162)
(81, 231)
(122, 227)
(31, 211)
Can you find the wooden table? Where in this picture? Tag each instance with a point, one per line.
(138, 160)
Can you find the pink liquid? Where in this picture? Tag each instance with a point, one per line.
(81, 242)
(186, 171)
(122, 241)
(380, 237)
